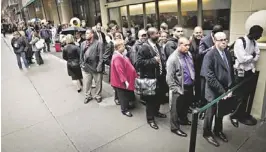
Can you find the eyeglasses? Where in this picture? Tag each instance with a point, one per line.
(179, 31)
(222, 40)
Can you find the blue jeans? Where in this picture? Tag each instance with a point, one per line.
(23, 56)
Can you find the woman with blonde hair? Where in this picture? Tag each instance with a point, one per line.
(71, 53)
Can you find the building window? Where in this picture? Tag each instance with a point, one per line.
(136, 16)
(216, 12)
(168, 12)
(189, 13)
(151, 14)
(114, 14)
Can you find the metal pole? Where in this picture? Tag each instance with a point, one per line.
(57, 12)
(193, 135)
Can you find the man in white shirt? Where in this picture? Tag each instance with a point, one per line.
(247, 54)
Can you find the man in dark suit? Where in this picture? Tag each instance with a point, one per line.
(219, 78)
(194, 50)
(99, 34)
(206, 44)
(149, 62)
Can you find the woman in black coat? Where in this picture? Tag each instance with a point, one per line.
(71, 53)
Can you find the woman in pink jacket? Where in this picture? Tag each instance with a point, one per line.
(123, 76)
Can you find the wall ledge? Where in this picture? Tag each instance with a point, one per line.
(262, 46)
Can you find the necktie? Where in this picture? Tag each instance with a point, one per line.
(160, 63)
(190, 67)
(228, 69)
(100, 37)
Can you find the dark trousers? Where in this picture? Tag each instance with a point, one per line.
(203, 101)
(47, 41)
(152, 106)
(245, 95)
(23, 56)
(198, 93)
(38, 57)
(179, 105)
(218, 124)
(123, 97)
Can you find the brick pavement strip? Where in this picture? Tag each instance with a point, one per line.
(41, 111)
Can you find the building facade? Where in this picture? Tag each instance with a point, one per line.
(11, 10)
(61, 11)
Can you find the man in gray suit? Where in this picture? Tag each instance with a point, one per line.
(91, 58)
(180, 78)
(219, 78)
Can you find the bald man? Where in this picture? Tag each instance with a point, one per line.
(180, 79)
(149, 63)
(219, 78)
(197, 59)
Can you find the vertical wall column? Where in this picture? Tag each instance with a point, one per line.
(157, 12)
(179, 15)
(144, 15)
(66, 11)
(200, 14)
(104, 13)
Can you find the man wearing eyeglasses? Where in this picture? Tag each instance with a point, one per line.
(171, 45)
(219, 78)
(206, 44)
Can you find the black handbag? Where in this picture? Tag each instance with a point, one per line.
(145, 86)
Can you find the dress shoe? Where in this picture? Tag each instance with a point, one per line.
(222, 136)
(153, 125)
(189, 110)
(127, 113)
(117, 102)
(87, 100)
(79, 90)
(185, 121)
(212, 141)
(234, 122)
(179, 132)
(160, 115)
(98, 100)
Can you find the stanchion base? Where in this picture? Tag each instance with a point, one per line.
(248, 120)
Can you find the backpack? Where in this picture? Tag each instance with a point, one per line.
(231, 48)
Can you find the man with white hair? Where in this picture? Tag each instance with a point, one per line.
(219, 78)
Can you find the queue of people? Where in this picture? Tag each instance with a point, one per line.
(187, 72)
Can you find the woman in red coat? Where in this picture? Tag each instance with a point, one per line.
(123, 76)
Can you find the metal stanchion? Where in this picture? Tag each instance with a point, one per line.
(193, 135)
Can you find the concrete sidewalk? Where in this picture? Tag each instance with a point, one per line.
(42, 112)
